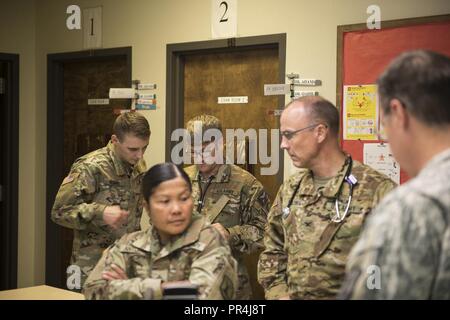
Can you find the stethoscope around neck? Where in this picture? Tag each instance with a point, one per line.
(339, 216)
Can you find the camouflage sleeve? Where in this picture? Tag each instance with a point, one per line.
(396, 251)
(96, 288)
(272, 262)
(248, 237)
(215, 269)
(73, 207)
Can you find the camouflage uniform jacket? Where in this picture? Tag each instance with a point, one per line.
(406, 242)
(306, 252)
(199, 255)
(238, 201)
(97, 180)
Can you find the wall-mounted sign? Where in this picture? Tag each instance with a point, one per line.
(307, 82)
(145, 106)
(92, 102)
(146, 86)
(122, 93)
(226, 100)
(276, 89)
(92, 28)
(298, 94)
(147, 96)
(146, 101)
(223, 18)
(276, 112)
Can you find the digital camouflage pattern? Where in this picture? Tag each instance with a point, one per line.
(199, 254)
(97, 180)
(237, 200)
(408, 240)
(305, 252)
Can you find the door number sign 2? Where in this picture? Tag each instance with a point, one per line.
(223, 18)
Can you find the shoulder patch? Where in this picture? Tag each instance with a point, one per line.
(70, 178)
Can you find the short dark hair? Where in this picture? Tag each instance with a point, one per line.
(321, 110)
(421, 81)
(160, 173)
(131, 123)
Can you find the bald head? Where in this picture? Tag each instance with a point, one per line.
(317, 110)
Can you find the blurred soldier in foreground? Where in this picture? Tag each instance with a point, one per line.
(404, 251)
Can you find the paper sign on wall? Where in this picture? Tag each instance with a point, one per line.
(228, 100)
(379, 157)
(223, 18)
(360, 112)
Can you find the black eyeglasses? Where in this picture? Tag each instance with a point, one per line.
(289, 134)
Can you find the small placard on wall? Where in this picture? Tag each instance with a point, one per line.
(227, 100)
(92, 28)
(92, 102)
(223, 18)
(276, 89)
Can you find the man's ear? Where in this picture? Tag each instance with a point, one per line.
(114, 139)
(321, 132)
(399, 115)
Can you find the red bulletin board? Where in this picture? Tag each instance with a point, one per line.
(363, 55)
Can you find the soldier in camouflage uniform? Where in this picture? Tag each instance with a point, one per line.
(178, 248)
(100, 199)
(306, 240)
(234, 202)
(404, 250)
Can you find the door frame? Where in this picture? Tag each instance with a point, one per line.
(9, 218)
(55, 143)
(175, 62)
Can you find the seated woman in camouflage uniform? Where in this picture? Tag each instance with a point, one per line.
(178, 247)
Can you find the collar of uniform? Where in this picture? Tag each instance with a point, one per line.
(189, 236)
(222, 175)
(436, 162)
(330, 189)
(121, 167)
(151, 243)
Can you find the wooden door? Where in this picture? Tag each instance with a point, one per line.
(208, 76)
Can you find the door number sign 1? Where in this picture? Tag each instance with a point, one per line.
(223, 18)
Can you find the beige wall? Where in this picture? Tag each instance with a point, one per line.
(17, 35)
(147, 26)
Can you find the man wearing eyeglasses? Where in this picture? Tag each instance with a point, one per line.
(318, 213)
(234, 200)
(404, 251)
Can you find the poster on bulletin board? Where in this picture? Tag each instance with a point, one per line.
(379, 157)
(360, 112)
(362, 55)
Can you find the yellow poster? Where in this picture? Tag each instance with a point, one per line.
(360, 112)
